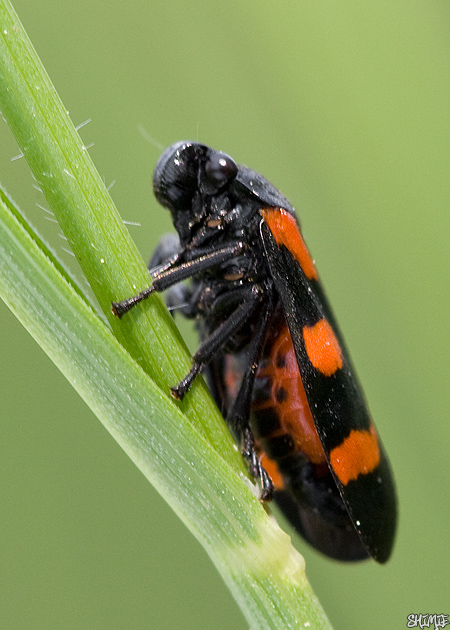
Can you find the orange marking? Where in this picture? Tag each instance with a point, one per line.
(272, 470)
(286, 232)
(322, 347)
(294, 412)
(359, 454)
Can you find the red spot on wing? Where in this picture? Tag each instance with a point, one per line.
(322, 347)
(286, 232)
(359, 454)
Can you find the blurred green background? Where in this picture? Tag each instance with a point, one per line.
(346, 108)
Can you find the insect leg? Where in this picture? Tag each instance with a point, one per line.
(239, 415)
(250, 299)
(162, 280)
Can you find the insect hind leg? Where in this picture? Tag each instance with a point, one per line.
(239, 416)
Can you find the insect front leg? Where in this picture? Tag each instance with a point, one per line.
(173, 273)
(180, 296)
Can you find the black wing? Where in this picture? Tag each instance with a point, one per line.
(354, 452)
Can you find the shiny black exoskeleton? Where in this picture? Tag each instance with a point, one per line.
(243, 284)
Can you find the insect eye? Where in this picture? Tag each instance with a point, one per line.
(220, 168)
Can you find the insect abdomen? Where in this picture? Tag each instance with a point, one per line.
(291, 452)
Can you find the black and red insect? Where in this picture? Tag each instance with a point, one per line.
(271, 350)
